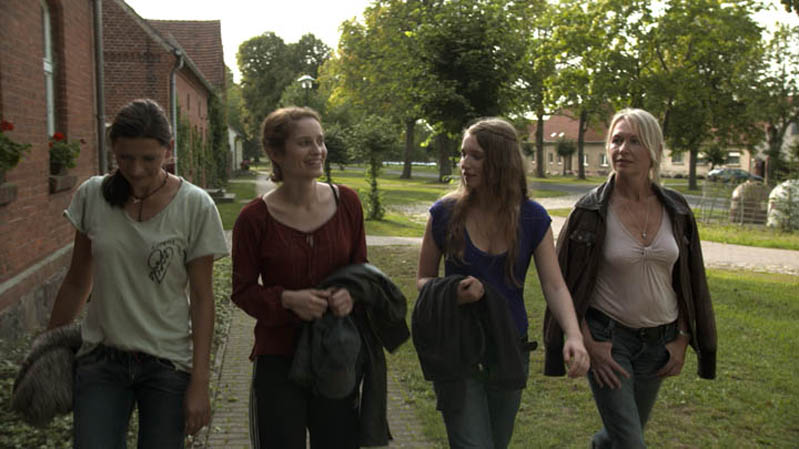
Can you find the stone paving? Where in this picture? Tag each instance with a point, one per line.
(229, 424)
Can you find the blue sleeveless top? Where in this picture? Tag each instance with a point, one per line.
(534, 222)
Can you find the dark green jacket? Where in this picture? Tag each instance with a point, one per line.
(580, 245)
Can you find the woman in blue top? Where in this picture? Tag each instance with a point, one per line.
(488, 230)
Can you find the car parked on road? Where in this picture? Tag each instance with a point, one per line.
(732, 175)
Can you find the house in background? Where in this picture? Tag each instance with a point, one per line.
(236, 143)
(50, 82)
(156, 59)
(564, 126)
(595, 161)
(47, 85)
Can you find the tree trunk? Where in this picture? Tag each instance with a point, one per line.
(444, 168)
(580, 143)
(539, 146)
(692, 169)
(406, 167)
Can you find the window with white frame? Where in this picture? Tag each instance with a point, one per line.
(551, 156)
(734, 158)
(585, 160)
(603, 160)
(676, 158)
(49, 66)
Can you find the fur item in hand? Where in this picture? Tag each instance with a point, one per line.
(43, 387)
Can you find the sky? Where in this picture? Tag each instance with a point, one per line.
(244, 19)
(290, 19)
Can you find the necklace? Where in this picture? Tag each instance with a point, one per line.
(646, 217)
(140, 199)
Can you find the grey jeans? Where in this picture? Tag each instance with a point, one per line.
(626, 410)
(488, 414)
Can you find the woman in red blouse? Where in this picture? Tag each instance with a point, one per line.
(292, 238)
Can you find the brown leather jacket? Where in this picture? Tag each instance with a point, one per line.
(579, 247)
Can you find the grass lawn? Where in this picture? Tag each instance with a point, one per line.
(759, 236)
(752, 403)
(244, 188)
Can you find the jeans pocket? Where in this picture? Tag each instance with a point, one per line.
(600, 331)
(92, 357)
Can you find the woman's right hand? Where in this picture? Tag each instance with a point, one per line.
(308, 304)
(604, 369)
(470, 290)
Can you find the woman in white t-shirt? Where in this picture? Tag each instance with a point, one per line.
(142, 235)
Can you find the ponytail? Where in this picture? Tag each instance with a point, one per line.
(116, 189)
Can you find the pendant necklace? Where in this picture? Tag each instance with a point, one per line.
(140, 199)
(646, 217)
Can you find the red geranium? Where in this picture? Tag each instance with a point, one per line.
(6, 126)
(58, 136)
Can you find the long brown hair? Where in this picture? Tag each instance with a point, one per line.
(277, 128)
(503, 181)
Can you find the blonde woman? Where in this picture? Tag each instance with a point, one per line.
(631, 256)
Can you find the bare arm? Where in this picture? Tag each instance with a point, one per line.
(77, 284)
(429, 257)
(560, 302)
(197, 403)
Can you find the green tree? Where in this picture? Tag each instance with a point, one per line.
(380, 72)
(704, 52)
(600, 64)
(791, 5)
(268, 65)
(373, 138)
(565, 149)
(775, 98)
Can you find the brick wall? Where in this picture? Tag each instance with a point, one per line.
(135, 64)
(36, 239)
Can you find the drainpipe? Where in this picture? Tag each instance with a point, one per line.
(99, 86)
(173, 100)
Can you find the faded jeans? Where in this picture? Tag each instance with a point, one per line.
(488, 414)
(626, 410)
(109, 382)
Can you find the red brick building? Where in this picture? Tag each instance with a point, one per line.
(48, 61)
(46, 85)
(145, 58)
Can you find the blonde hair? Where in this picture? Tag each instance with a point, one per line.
(503, 180)
(649, 133)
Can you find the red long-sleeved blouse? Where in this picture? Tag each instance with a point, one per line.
(287, 259)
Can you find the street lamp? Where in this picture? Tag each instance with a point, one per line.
(306, 82)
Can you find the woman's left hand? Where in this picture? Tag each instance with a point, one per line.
(196, 407)
(576, 357)
(676, 350)
(340, 301)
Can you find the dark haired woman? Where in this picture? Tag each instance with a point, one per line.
(285, 244)
(142, 235)
(488, 230)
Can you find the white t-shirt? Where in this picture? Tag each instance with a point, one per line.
(140, 299)
(633, 284)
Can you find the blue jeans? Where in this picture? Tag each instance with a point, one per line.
(110, 382)
(626, 410)
(488, 414)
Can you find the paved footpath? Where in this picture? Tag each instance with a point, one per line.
(229, 429)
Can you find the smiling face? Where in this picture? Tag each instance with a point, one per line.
(627, 152)
(140, 160)
(471, 162)
(304, 151)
